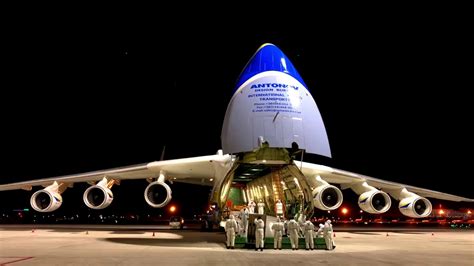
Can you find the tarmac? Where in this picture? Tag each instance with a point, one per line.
(130, 246)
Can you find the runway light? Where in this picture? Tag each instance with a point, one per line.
(173, 208)
(344, 210)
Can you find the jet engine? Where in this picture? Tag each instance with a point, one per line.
(45, 200)
(158, 194)
(374, 201)
(415, 206)
(98, 197)
(327, 197)
(371, 199)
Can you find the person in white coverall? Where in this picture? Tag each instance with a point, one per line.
(320, 230)
(277, 228)
(279, 208)
(245, 217)
(308, 234)
(327, 232)
(259, 225)
(251, 206)
(293, 229)
(230, 228)
(260, 207)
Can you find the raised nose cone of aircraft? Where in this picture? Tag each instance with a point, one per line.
(271, 105)
(268, 58)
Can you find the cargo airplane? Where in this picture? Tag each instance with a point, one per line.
(270, 121)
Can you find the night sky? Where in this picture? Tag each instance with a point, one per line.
(82, 93)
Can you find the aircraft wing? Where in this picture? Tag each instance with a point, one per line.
(196, 170)
(347, 179)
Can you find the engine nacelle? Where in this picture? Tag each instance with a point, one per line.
(415, 207)
(327, 197)
(98, 197)
(375, 201)
(46, 201)
(158, 194)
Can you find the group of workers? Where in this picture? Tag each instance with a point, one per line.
(292, 226)
(251, 207)
(309, 232)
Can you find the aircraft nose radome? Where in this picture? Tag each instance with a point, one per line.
(268, 58)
